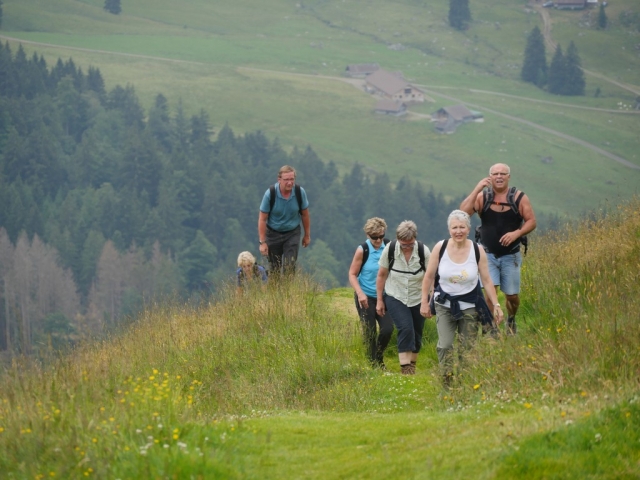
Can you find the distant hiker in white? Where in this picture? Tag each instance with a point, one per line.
(453, 274)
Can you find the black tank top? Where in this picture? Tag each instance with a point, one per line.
(494, 226)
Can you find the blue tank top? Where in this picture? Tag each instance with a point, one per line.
(369, 273)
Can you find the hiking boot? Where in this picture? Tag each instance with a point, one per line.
(407, 369)
(511, 325)
(413, 368)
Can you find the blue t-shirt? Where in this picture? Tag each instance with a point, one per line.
(262, 273)
(369, 273)
(284, 216)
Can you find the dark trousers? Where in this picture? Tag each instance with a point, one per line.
(408, 321)
(375, 341)
(283, 249)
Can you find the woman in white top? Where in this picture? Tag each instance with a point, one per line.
(459, 302)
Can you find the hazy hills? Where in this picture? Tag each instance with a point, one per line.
(277, 66)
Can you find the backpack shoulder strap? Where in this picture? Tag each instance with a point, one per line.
(272, 197)
(512, 201)
(477, 251)
(443, 247)
(421, 255)
(487, 196)
(298, 191)
(391, 253)
(365, 255)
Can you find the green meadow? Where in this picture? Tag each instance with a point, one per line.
(277, 66)
(273, 383)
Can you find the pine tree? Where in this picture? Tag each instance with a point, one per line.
(602, 18)
(112, 6)
(574, 76)
(534, 68)
(557, 72)
(459, 14)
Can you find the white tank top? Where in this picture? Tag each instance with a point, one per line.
(458, 278)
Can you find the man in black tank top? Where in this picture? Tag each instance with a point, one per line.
(504, 223)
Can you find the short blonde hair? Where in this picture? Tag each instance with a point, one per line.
(407, 230)
(459, 215)
(246, 258)
(375, 225)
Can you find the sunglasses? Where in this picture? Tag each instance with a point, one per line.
(407, 245)
(376, 237)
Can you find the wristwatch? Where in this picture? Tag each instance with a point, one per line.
(496, 305)
(260, 243)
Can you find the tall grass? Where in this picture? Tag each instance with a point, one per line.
(199, 390)
(579, 330)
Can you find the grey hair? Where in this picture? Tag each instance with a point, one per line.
(407, 230)
(286, 169)
(246, 258)
(504, 164)
(374, 225)
(459, 215)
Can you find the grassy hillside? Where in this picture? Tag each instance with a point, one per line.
(274, 384)
(277, 66)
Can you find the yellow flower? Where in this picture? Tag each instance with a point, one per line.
(527, 405)
(175, 436)
(94, 440)
(476, 387)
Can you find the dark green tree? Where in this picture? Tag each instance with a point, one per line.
(557, 73)
(198, 261)
(534, 68)
(575, 82)
(112, 6)
(459, 14)
(602, 18)
(0, 13)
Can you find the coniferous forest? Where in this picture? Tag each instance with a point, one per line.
(105, 207)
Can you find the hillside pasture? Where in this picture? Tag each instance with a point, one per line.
(280, 71)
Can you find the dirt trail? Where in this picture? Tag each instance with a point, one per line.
(546, 33)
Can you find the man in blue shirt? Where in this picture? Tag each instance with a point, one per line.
(279, 221)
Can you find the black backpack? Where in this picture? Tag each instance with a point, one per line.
(365, 252)
(442, 250)
(392, 249)
(272, 197)
(512, 202)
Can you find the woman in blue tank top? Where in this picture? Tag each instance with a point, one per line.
(362, 277)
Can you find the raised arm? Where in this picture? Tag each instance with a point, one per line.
(473, 203)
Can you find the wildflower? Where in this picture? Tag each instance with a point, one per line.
(94, 440)
(627, 414)
(598, 437)
(476, 387)
(527, 405)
